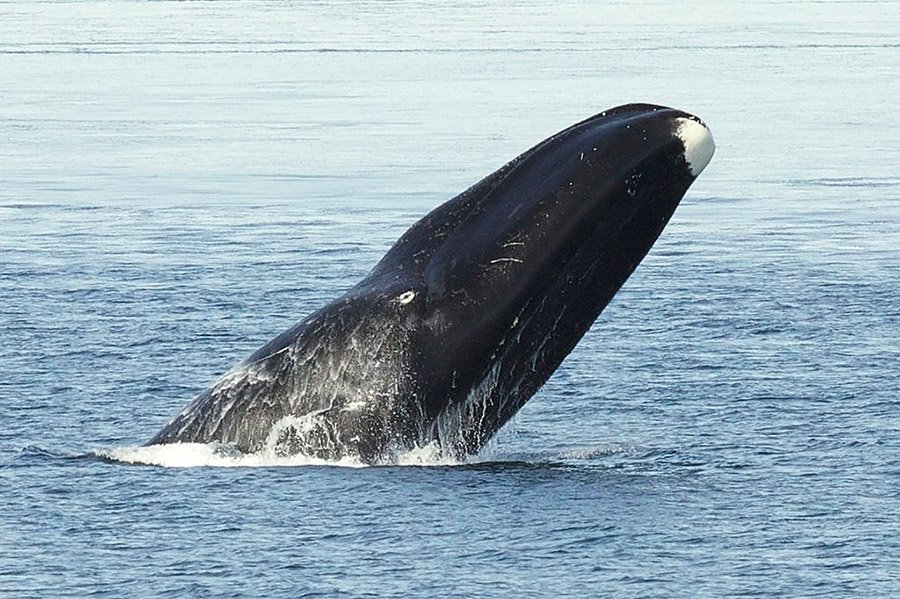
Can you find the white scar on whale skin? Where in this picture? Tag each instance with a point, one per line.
(699, 146)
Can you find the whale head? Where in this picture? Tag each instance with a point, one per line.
(499, 284)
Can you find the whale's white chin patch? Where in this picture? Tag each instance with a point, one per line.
(698, 144)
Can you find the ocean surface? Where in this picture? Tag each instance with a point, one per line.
(180, 182)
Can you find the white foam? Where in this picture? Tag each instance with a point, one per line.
(194, 455)
(429, 455)
(215, 455)
(699, 146)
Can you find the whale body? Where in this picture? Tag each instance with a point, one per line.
(472, 310)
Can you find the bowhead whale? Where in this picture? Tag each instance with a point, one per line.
(472, 310)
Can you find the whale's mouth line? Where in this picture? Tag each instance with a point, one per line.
(496, 390)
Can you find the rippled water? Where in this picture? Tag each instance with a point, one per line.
(179, 182)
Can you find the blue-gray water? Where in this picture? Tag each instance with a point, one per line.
(179, 182)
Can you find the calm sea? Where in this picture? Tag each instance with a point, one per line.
(179, 182)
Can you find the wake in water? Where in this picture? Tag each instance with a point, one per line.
(647, 460)
(217, 455)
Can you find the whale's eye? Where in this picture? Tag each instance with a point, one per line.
(406, 297)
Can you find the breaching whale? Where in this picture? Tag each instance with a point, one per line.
(472, 310)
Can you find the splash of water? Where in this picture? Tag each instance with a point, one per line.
(194, 455)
